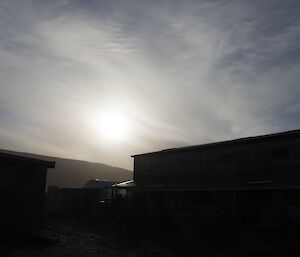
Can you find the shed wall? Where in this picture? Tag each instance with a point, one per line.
(22, 195)
(275, 161)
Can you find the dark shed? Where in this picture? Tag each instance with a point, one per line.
(22, 191)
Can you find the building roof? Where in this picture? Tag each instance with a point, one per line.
(262, 138)
(175, 188)
(21, 160)
(129, 183)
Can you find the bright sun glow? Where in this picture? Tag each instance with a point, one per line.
(113, 125)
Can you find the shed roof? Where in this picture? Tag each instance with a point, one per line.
(21, 160)
(246, 140)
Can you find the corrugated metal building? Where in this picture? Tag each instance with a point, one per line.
(262, 161)
(22, 191)
(248, 180)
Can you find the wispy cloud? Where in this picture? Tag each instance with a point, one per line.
(183, 73)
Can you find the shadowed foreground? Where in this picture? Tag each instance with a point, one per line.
(86, 236)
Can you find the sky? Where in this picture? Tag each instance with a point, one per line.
(172, 73)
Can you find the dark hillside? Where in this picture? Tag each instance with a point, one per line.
(75, 173)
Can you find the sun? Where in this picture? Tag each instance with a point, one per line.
(113, 125)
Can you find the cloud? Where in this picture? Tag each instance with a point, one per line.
(182, 72)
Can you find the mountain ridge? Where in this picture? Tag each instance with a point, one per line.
(73, 173)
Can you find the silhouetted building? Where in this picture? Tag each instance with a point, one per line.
(248, 180)
(98, 184)
(77, 200)
(73, 200)
(22, 191)
(256, 162)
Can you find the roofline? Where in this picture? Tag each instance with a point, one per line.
(195, 188)
(36, 162)
(225, 143)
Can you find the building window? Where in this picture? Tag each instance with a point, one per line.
(280, 154)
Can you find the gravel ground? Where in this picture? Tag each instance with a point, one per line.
(86, 237)
(62, 237)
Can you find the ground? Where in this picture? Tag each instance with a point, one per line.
(82, 237)
(85, 236)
